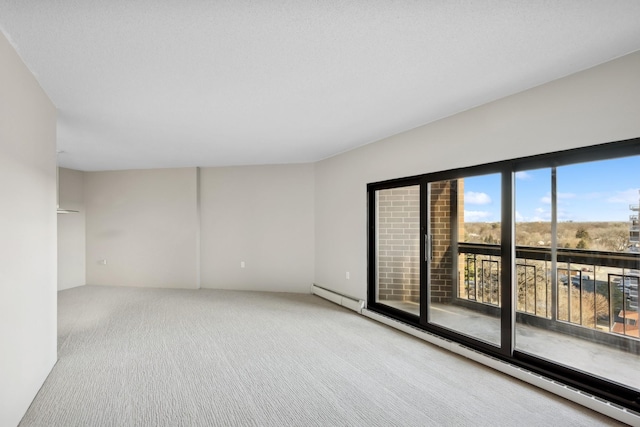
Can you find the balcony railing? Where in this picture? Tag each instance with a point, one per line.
(592, 289)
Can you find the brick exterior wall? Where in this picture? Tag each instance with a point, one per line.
(399, 241)
(399, 244)
(443, 194)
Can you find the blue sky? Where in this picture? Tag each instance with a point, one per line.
(594, 191)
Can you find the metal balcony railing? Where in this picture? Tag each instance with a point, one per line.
(593, 289)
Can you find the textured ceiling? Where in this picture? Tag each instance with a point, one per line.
(149, 83)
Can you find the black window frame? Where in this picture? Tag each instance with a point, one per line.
(606, 389)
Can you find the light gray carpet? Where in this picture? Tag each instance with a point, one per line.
(153, 357)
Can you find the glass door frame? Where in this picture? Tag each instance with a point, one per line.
(372, 266)
(507, 325)
(614, 392)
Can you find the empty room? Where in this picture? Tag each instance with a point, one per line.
(319, 213)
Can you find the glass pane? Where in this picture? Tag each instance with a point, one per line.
(465, 263)
(533, 242)
(588, 316)
(398, 248)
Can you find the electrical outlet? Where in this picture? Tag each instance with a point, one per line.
(348, 276)
(102, 261)
(242, 265)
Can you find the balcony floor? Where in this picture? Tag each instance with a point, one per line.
(597, 359)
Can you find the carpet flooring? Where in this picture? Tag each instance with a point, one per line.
(161, 357)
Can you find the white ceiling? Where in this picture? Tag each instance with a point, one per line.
(172, 83)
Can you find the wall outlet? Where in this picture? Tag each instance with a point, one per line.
(102, 261)
(242, 265)
(348, 276)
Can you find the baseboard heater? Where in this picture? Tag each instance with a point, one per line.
(340, 299)
(582, 398)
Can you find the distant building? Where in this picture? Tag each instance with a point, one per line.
(634, 228)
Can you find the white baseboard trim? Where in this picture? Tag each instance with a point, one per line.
(351, 303)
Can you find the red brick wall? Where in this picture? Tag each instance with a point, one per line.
(398, 242)
(442, 264)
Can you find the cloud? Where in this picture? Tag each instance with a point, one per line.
(592, 196)
(475, 216)
(629, 196)
(519, 217)
(541, 215)
(560, 198)
(524, 176)
(565, 196)
(474, 198)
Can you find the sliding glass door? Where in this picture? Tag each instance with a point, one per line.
(463, 258)
(397, 248)
(436, 256)
(535, 261)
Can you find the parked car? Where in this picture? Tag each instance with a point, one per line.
(575, 280)
(629, 282)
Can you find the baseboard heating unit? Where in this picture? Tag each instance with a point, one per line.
(597, 404)
(340, 299)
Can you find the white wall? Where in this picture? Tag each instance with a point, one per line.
(144, 223)
(595, 106)
(28, 230)
(262, 215)
(71, 230)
